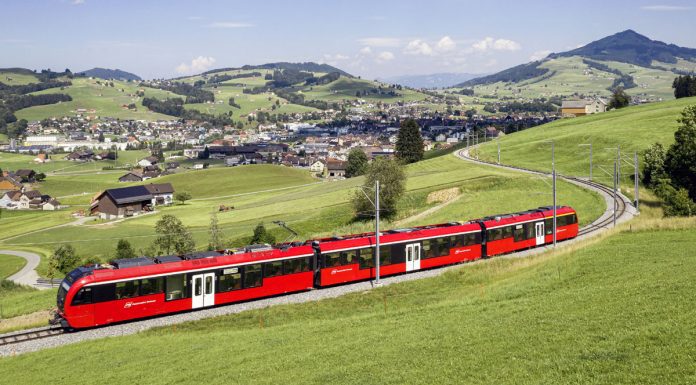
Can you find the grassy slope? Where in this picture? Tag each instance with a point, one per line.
(633, 128)
(345, 88)
(15, 79)
(617, 312)
(10, 264)
(571, 77)
(105, 101)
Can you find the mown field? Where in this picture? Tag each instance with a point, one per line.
(616, 310)
(632, 128)
(10, 264)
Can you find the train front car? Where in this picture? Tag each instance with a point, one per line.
(351, 258)
(71, 295)
(518, 231)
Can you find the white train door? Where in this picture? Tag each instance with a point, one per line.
(539, 233)
(203, 290)
(413, 256)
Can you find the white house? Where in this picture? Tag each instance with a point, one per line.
(162, 193)
(51, 205)
(317, 167)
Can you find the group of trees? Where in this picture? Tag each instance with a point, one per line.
(684, 86)
(619, 98)
(193, 93)
(175, 107)
(672, 173)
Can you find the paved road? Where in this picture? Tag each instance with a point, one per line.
(26, 276)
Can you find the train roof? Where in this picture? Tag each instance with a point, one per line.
(524, 216)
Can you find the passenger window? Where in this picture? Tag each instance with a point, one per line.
(176, 287)
(429, 249)
(367, 258)
(83, 297)
(252, 276)
(443, 247)
(230, 279)
(273, 269)
(103, 293)
(293, 266)
(151, 286)
(507, 232)
(128, 289)
(197, 283)
(530, 231)
(385, 255)
(457, 241)
(518, 233)
(350, 257)
(332, 259)
(548, 226)
(208, 285)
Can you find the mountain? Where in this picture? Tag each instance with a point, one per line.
(440, 80)
(307, 67)
(631, 47)
(106, 73)
(627, 59)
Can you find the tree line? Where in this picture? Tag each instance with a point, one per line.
(684, 86)
(194, 94)
(175, 107)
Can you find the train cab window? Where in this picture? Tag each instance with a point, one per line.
(350, 257)
(385, 255)
(298, 265)
(252, 276)
(83, 297)
(332, 259)
(176, 287)
(273, 269)
(127, 289)
(151, 286)
(367, 258)
(229, 279)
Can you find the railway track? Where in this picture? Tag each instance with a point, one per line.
(620, 205)
(30, 334)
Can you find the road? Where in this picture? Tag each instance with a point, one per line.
(28, 275)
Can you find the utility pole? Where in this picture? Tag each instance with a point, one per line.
(377, 233)
(615, 178)
(553, 171)
(635, 178)
(498, 141)
(618, 169)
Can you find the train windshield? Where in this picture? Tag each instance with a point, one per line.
(70, 278)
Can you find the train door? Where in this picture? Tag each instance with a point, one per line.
(203, 290)
(413, 256)
(539, 233)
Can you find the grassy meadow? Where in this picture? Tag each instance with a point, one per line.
(613, 310)
(10, 264)
(632, 128)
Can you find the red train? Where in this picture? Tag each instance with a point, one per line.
(144, 287)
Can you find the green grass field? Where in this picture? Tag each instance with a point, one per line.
(631, 128)
(616, 311)
(10, 264)
(345, 89)
(15, 79)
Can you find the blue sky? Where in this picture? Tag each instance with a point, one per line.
(369, 38)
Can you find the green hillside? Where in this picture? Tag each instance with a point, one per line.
(99, 99)
(618, 311)
(633, 128)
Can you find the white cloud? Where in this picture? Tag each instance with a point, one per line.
(198, 65)
(490, 43)
(229, 24)
(365, 50)
(445, 44)
(77, 2)
(538, 55)
(385, 56)
(335, 58)
(380, 42)
(418, 47)
(666, 8)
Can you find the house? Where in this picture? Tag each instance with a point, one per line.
(107, 155)
(162, 193)
(51, 205)
(582, 107)
(336, 168)
(80, 156)
(149, 161)
(317, 167)
(132, 176)
(26, 176)
(10, 200)
(492, 132)
(8, 183)
(122, 202)
(172, 165)
(41, 158)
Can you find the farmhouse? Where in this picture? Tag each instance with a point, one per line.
(8, 183)
(162, 193)
(582, 107)
(122, 202)
(336, 168)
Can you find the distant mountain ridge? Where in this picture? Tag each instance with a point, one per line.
(306, 66)
(106, 73)
(624, 47)
(437, 80)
